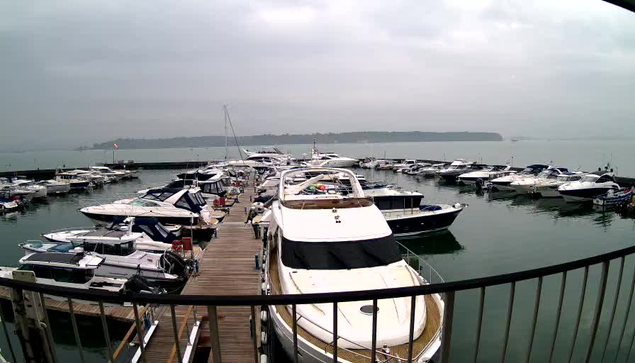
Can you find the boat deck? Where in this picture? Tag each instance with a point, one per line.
(432, 328)
(226, 268)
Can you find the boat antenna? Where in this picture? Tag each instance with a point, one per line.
(229, 119)
(225, 119)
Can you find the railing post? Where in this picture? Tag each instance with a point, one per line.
(479, 323)
(294, 316)
(104, 325)
(373, 351)
(175, 331)
(212, 316)
(255, 321)
(629, 302)
(598, 309)
(579, 316)
(6, 334)
(411, 334)
(335, 336)
(535, 318)
(510, 310)
(49, 335)
(135, 309)
(617, 297)
(75, 330)
(563, 285)
(448, 316)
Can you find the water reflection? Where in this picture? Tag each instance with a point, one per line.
(433, 244)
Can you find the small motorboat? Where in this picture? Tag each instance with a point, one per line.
(503, 183)
(8, 205)
(422, 220)
(484, 175)
(614, 198)
(55, 186)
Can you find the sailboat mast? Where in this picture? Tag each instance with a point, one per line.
(225, 118)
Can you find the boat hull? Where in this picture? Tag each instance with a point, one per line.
(421, 222)
(582, 195)
(101, 219)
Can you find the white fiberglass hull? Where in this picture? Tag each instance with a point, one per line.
(310, 353)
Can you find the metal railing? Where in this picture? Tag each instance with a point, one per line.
(448, 289)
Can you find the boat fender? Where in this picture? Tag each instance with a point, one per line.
(263, 338)
(263, 316)
(264, 287)
(263, 358)
(177, 246)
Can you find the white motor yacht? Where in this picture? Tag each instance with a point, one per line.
(484, 175)
(588, 188)
(548, 188)
(458, 167)
(39, 191)
(55, 186)
(331, 160)
(78, 180)
(170, 206)
(431, 171)
(322, 241)
(527, 184)
(407, 164)
(108, 172)
(504, 183)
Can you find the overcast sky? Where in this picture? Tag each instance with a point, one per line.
(77, 72)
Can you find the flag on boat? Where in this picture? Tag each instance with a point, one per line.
(116, 145)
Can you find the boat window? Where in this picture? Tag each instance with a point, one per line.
(144, 203)
(42, 272)
(127, 248)
(94, 247)
(605, 178)
(70, 275)
(589, 178)
(340, 255)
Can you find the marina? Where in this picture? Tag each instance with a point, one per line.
(228, 264)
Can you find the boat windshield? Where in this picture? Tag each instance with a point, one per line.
(591, 178)
(340, 255)
(60, 274)
(118, 249)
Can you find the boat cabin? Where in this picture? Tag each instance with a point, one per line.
(62, 267)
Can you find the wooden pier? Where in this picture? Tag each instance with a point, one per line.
(226, 268)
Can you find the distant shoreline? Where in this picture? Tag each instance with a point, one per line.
(298, 139)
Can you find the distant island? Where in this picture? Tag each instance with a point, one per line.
(285, 139)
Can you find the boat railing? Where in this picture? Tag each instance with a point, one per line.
(430, 275)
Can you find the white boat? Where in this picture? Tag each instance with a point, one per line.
(108, 172)
(170, 206)
(407, 164)
(78, 180)
(9, 205)
(122, 259)
(431, 171)
(614, 198)
(422, 219)
(527, 185)
(147, 233)
(588, 188)
(26, 187)
(458, 167)
(548, 188)
(329, 242)
(485, 175)
(331, 160)
(55, 186)
(75, 270)
(504, 183)
(416, 168)
(272, 153)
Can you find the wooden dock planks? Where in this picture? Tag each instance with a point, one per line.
(226, 268)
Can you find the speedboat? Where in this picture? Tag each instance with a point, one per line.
(548, 188)
(504, 183)
(331, 160)
(484, 175)
(416, 168)
(147, 233)
(457, 168)
(407, 164)
(170, 206)
(21, 185)
(321, 241)
(431, 171)
(588, 188)
(9, 205)
(422, 219)
(108, 172)
(55, 186)
(76, 270)
(527, 184)
(271, 153)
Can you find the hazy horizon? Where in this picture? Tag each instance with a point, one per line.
(75, 73)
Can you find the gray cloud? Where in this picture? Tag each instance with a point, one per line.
(75, 72)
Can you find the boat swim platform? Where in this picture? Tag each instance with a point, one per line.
(227, 267)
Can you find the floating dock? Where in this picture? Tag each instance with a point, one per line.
(226, 268)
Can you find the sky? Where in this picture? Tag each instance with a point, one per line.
(74, 72)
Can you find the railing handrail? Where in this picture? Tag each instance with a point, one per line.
(316, 298)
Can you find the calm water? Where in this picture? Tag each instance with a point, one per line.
(490, 237)
(587, 155)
